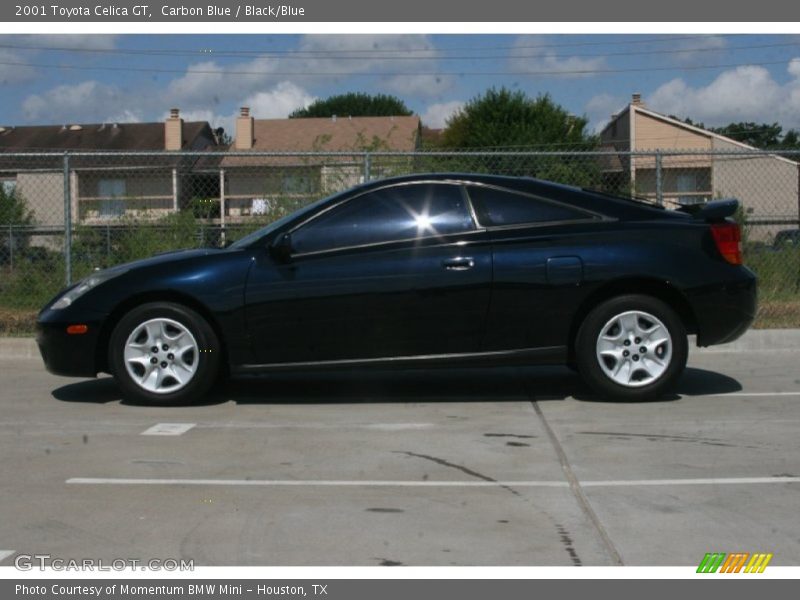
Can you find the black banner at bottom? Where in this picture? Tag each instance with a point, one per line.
(394, 589)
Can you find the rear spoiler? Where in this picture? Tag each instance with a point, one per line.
(717, 210)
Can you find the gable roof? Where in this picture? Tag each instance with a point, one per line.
(631, 107)
(97, 136)
(340, 134)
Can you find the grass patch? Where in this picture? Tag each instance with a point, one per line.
(17, 322)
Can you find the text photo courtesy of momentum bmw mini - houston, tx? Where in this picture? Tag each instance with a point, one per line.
(373, 300)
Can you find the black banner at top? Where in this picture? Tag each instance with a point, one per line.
(178, 11)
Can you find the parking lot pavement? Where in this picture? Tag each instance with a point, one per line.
(463, 467)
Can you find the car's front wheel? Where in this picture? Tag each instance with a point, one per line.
(631, 348)
(164, 353)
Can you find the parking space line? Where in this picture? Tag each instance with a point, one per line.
(696, 481)
(168, 429)
(4, 554)
(310, 482)
(755, 394)
(335, 426)
(427, 483)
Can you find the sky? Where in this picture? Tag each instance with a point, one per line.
(714, 79)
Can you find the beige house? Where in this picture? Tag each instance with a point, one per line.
(254, 184)
(104, 187)
(766, 185)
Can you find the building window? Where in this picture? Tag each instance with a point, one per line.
(690, 188)
(111, 193)
(298, 183)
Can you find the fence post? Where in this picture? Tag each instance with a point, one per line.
(11, 246)
(67, 221)
(108, 245)
(222, 206)
(367, 166)
(659, 181)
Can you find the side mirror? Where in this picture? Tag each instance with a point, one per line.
(281, 248)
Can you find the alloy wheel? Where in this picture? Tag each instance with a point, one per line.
(634, 348)
(161, 355)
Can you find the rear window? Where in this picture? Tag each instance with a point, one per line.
(498, 207)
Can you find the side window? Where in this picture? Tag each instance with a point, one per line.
(402, 212)
(497, 207)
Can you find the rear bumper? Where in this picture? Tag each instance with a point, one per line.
(724, 311)
(65, 354)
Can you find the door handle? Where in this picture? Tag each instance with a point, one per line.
(459, 263)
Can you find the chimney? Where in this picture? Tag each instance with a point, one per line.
(173, 130)
(637, 99)
(244, 130)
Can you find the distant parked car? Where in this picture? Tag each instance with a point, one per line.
(787, 238)
(420, 271)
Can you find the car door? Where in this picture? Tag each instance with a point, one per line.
(397, 271)
(539, 248)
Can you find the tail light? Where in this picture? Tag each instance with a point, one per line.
(728, 238)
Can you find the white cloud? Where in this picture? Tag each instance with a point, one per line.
(747, 93)
(274, 103)
(364, 53)
(436, 115)
(73, 41)
(85, 102)
(794, 68)
(278, 102)
(420, 86)
(599, 109)
(124, 116)
(319, 59)
(530, 55)
(273, 87)
(211, 84)
(707, 48)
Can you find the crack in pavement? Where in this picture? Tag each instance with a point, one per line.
(463, 469)
(564, 537)
(574, 484)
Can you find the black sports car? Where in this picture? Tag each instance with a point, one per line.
(421, 270)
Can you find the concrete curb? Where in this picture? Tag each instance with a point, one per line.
(757, 340)
(18, 347)
(762, 340)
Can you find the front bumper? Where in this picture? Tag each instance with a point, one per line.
(725, 311)
(66, 354)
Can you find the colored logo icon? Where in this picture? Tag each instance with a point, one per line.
(737, 562)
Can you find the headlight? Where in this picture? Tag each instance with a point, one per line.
(84, 286)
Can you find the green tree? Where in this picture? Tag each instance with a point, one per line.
(354, 104)
(760, 135)
(505, 119)
(13, 208)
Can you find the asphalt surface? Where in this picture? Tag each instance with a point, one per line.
(463, 467)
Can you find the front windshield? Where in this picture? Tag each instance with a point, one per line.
(252, 237)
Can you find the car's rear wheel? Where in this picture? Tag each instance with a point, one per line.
(164, 353)
(631, 348)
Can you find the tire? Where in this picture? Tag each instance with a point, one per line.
(182, 373)
(650, 368)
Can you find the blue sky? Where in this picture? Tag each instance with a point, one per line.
(57, 79)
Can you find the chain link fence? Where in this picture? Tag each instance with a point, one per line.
(63, 215)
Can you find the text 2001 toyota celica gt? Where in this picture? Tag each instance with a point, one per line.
(420, 271)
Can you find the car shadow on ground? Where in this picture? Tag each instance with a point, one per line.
(505, 384)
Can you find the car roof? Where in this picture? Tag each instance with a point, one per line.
(609, 204)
